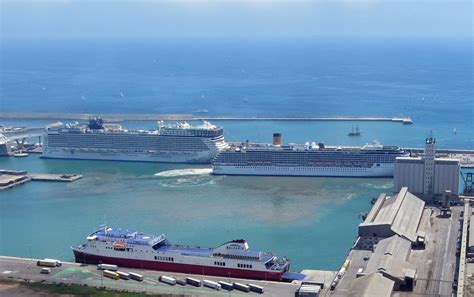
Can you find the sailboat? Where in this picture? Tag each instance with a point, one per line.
(355, 132)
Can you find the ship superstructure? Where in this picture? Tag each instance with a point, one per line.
(146, 251)
(178, 143)
(309, 159)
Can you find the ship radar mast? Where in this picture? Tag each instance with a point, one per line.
(96, 123)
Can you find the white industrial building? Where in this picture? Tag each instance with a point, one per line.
(371, 285)
(399, 214)
(427, 176)
(390, 258)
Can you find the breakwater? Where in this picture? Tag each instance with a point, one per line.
(191, 117)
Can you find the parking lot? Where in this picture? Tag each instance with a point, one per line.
(73, 273)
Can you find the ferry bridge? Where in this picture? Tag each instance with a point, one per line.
(21, 138)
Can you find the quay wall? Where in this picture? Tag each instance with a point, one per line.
(189, 117)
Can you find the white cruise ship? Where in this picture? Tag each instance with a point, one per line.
(179, 143)
(310, 159)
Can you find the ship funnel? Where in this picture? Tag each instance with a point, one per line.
(276, 138)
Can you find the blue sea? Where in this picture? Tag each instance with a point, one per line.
(313, 221)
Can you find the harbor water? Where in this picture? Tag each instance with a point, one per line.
(313, 221)
(310, 220)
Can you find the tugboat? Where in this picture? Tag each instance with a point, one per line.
(355, 132)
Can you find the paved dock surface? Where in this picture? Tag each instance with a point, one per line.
(73, 273)
(54, 177)
(436, 264)
(8, 181)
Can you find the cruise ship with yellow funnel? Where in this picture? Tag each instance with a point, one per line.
(309, 159)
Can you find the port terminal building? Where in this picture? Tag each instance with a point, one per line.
(381, 259)
(427, 176)
(372, 285)
(399, 215)
(390, 259)
(405, 247)
(390, 230)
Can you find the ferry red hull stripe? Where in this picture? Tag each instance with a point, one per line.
(178, 267)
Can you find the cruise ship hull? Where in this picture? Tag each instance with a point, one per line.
(382, 170)
(203, 157)
(81, 257)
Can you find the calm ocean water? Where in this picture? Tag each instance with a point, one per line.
(311, 220)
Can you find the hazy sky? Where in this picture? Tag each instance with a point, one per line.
(245, 19)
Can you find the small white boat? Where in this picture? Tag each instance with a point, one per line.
(20, 155)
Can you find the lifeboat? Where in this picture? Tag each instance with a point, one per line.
(119, 245)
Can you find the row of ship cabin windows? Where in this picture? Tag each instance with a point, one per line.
(191, 133)
(316, 154)
(115, 152)
(332, 168)
(182, 146)
(122, 249)
(242, 158)
(168, 259)
(131, 250)
(238, 265)
(126, 139)
(127, 144)
(304, 160)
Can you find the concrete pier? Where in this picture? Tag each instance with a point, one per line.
(16, 130)
(22, 269)
(12, 178)
(9, 181)
(191, 117)
(54, 177)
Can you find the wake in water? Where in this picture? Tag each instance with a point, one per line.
(184, 172)
(384, 186)
(187, 177)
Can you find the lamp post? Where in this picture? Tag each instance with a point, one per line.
(31, 257)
